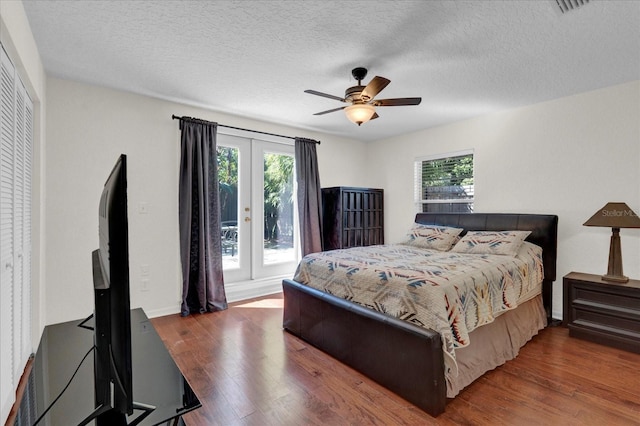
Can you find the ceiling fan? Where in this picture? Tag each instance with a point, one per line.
(361, 98)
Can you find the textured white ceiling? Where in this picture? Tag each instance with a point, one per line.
(255, 58)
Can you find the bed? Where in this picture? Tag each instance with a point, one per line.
(407, 357)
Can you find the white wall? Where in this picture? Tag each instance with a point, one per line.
(88, 127)
(567, 157)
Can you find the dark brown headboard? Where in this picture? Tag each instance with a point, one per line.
(544, 233)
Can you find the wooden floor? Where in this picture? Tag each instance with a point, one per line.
(247, 371)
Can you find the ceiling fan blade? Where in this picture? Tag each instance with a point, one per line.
(397, 102)
(328, 111)
(375, 115)
(374, 87)
(324, 95)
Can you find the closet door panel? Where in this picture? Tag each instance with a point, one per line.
(16, 151)
(7, 134)
(25, 344)
(18, 227)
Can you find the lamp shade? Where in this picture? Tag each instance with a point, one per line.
(614, 215)
(360, 113)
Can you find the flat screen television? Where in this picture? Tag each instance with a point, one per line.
(113, 379)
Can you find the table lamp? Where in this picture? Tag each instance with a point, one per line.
(615, 216)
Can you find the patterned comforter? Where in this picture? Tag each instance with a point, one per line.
(450, 293)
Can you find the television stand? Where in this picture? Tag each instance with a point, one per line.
(156, 378)
(107, 416)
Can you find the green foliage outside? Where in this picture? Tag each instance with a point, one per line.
(454, 171)
(228, 183)
(278, 197)
(228, 166)
(278, 193)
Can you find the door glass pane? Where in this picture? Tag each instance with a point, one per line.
(228, 187)
(278, 209)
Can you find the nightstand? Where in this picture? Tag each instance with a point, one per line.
(601, 311)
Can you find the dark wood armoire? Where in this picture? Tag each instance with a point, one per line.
(352, 217)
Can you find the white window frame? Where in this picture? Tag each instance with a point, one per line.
(419, 201)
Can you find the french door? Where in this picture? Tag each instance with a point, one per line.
(257, 197)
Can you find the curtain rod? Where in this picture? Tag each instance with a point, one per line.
(175, 117)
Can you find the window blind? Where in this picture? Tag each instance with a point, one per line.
(445, 183)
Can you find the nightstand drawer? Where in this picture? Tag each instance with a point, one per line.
(603, 312)
(591, 295)
(605, 321)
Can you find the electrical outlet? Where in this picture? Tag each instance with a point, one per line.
(144, 284)
(145, 327)
(144, 270)
(143, 208)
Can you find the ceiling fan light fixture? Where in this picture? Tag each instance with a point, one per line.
(360, 113)
(361, 98)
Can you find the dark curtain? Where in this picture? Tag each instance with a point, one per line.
(309, 196)
(199, 216)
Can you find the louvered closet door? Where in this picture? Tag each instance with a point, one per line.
(22, 229)
(7, 133)
(18, 227)
(27, 163)
(16, 148)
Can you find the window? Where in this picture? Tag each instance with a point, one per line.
(444, 183)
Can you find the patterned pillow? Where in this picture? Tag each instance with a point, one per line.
(431, 237)
(491, 242)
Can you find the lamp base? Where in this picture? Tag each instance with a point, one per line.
(615, 278)
(614, 270)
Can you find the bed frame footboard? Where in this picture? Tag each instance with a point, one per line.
(402, 357)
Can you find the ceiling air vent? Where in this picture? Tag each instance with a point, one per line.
(569, 5)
